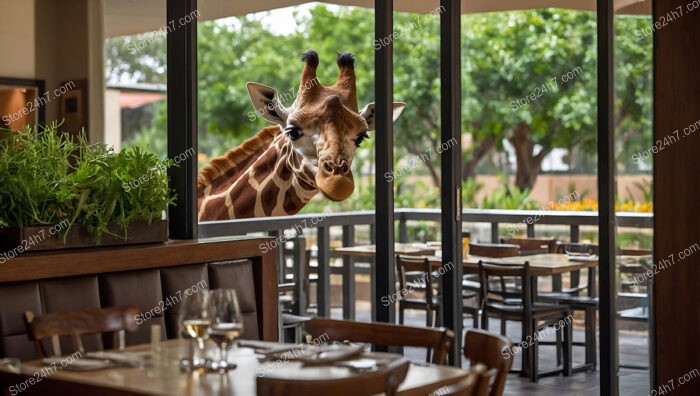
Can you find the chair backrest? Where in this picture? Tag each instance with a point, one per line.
(494, 250)
(385, 381)
(414, 272)
(388, 334)
(635, 252)
(476, 384)
(578, 247)
(533, 246)
(482, 347)
(115, 320)
(496, 291)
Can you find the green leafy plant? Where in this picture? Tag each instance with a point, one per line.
(470, 188)
(48, 177)
(509, 197)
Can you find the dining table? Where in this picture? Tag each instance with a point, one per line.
(405, 249)
(161, 373)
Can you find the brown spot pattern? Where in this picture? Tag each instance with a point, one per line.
(292, 203)
(269, 195)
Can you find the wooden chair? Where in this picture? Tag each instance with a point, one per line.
(384, 381)
(484, 348)
(289, 322)
(534, 316)
(437, 340)
(495, 250)
(639, 301)
(476, 384)
(575, 286)
(571, 296)
(416, 275)
(115, 320)
(530, 246)
(471, 283)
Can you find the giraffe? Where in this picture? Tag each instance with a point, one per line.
(277, 171)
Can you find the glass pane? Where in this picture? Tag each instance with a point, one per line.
(634, 183)
(529, 153)
(136, 76)
(311, 160)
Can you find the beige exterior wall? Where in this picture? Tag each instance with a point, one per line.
(553, 187)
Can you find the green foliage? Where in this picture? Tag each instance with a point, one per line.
(509, 197)
(505, 57)
(635, 240)
(645, 187)
(417, 195)
(33, 169)
(49, 177)
(470, 188)
(123, 63)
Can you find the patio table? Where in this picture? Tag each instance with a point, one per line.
(164, 377)
(540, 264)
(406, 249)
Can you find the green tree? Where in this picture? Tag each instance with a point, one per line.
(506, 57)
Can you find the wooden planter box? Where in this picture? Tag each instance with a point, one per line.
(14, 241)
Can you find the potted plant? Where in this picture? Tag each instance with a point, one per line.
(59, 191)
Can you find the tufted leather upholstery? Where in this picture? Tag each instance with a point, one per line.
(161, 288)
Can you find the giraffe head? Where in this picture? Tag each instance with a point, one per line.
(323, 124)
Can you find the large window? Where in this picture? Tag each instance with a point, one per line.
(634, 185)
(135, 64)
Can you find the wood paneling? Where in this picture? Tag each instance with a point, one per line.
(676, 194)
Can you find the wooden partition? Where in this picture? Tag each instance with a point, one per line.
(677, 195)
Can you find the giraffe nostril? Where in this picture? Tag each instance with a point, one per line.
(328, 167)
(345, 168)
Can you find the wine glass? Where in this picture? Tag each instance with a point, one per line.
(195, 319)
(226, 325)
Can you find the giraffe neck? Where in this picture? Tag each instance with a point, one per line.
(277, 183)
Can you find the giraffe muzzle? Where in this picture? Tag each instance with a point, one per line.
(335, 179)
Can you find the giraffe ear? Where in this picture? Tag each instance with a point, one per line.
(368, 113)
(267, 104)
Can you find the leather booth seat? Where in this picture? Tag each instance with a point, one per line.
(157, 292)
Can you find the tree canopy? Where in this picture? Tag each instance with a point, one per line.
(528, 85)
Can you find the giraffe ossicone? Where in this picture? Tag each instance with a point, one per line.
(310, 149)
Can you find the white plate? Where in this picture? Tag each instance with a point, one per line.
(83, 364)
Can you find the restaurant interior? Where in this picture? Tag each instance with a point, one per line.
(349, 197)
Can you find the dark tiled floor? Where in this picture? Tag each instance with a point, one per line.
(633, 350)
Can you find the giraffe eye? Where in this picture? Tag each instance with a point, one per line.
(293, 132)
(361, 138)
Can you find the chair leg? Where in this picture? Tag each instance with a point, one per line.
(475, 319)
(484, 321)
(429, 318)
(534, 360)
(503, 327)
(401, 309)
(568, 342)
(438, 317)
(591, 343)
(559, 346)
(526, 357)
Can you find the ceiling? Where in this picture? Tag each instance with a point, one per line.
(126, 17)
